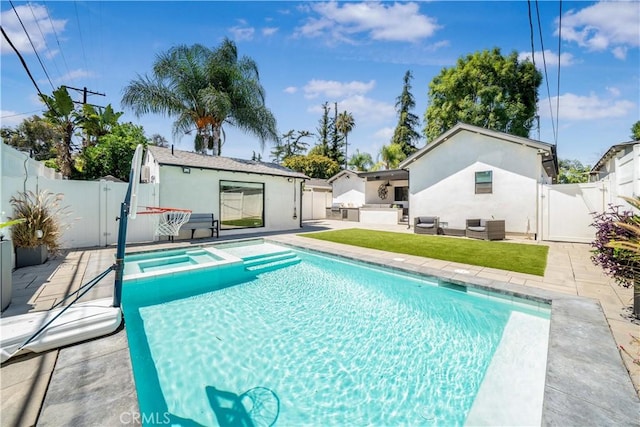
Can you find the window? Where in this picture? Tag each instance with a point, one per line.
(484, 182)
(241, 204)
(401, 194)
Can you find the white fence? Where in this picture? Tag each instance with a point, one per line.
(92, 206)
(315, 204)
(566, 210)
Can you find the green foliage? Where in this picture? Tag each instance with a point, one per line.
(391, 156)
(361, 161)
(61, 113)
(37, 211)
(484, 89)
(34, 134)
(290, 144)
(323, 131)
(203, 89)
(113, 153)
(572, 172)
(158, 140)
(405, 134)
(97, 122)
(344, 125)
(635, 131)
(313, 165)
(522, 258)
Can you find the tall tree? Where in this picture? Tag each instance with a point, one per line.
(345, 125)
(635, 131)
(337, 141)
(324, 130)
(405, 134)
(290, 144)
(204, 89)
(34, 134)
(361, 162)
(484, 89)
(62, 114)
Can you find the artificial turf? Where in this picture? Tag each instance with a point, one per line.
(522, 258)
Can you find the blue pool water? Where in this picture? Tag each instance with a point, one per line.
(326, 342)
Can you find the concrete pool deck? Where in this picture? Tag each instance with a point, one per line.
(91, 383)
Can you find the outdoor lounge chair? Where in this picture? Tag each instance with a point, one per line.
(426, 225)
(487, 229)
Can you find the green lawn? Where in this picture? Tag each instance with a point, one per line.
(523, 258)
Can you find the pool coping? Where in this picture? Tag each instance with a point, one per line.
(586, 381)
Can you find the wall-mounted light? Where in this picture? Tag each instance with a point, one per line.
(290, 179)
(186, 170)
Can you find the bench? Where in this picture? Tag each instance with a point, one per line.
(201, 220)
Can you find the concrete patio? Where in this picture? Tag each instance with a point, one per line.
(91, 383)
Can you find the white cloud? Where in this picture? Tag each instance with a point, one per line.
(334, 89)
(592, 107)
(11, 118)
(384, 134)
(606, 25)
(551, 58)
(269, 31)
(614, 91)
(32, 16)
(291, 89)
(74, 75)
(364, 110)
(380, 21)
(242, 32)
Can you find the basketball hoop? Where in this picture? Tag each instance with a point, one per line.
(167, 221)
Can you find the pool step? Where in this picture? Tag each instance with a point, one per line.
(270, 262)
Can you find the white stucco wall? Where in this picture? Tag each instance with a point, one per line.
(199, 191)
(372, 196)
(442, 182)
(349, 190)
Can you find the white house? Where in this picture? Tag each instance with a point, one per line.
(620, 167)
(348, 189)
(245, 195)
(472, 172)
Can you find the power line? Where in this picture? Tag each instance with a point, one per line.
(24, 64)
(558, 87)
(44, 40)
(32, 45)
(533, 61)
(55, 33)
(546, 77)
(84, 55)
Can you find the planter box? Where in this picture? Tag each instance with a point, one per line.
(31, 256)
(5, 273)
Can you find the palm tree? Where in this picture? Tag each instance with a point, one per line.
(204, 89)
(345, 125)
(62, 114)
(391, 155)
(361, 161)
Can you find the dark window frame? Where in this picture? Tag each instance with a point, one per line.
(252, 185)
(404, 196)
(484, 182)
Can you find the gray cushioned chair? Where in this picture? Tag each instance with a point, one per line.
(426, 224)
(487, 229)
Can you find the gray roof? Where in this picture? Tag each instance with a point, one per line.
(610, 153)
(318, 183)
(169, 156)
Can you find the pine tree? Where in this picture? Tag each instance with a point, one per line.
(405, 134)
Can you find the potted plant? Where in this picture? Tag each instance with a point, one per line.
(39, 232)
(5, 265)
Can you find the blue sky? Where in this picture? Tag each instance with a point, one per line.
(351, 53)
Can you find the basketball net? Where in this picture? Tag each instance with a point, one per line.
(167, 221)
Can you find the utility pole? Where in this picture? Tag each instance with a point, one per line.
(86, 91)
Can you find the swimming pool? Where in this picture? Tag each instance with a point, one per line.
(316, 339)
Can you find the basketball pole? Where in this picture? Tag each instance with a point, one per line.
(125, 210)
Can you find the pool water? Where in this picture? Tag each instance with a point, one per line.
(331, 343)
